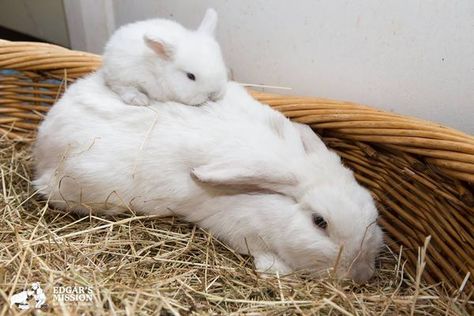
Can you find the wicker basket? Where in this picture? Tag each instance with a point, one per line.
(420, 173)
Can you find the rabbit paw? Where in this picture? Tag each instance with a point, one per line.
(270, 263)
(134, 97)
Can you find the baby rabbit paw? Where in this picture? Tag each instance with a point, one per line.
(134, 97)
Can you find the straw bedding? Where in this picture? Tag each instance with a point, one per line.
(421, 175)
(146, 265)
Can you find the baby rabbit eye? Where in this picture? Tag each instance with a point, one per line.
(191, 76)
(319, 221)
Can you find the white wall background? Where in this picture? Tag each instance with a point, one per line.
(42, 19)
(413, 57)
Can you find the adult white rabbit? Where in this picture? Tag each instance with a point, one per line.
(265, 185)
(161, 60)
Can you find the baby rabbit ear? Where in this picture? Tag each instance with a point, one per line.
(209, 22)
(160, 47)
(254, 174)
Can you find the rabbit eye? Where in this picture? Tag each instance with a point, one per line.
(319, 221)
(191, 76)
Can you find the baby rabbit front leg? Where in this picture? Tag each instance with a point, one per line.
(131, 95)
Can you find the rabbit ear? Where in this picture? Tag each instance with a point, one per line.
(255, 174)
(311, 142)
(209, 22)
(160, 47)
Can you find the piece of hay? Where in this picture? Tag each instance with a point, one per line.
(147, 265)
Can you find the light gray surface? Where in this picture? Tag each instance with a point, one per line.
(90, 23)
(43, 19)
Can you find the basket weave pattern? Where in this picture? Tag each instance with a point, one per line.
(420, 173)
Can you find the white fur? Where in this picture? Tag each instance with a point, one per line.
(21, 299)
(39, 295)
(236, 167)
(137, 71)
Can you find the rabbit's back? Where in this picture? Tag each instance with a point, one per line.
(95, 152)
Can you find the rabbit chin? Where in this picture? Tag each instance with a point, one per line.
(269, 263)
(197, 100)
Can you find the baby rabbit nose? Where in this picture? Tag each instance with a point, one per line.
(215, 96)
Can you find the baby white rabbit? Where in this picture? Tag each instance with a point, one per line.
(264, 185)
(161, 60)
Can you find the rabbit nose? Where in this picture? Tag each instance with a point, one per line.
(361, 274)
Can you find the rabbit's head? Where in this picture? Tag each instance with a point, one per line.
(188, 65)
(348, 237)
(167, 62)
(328, 221)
